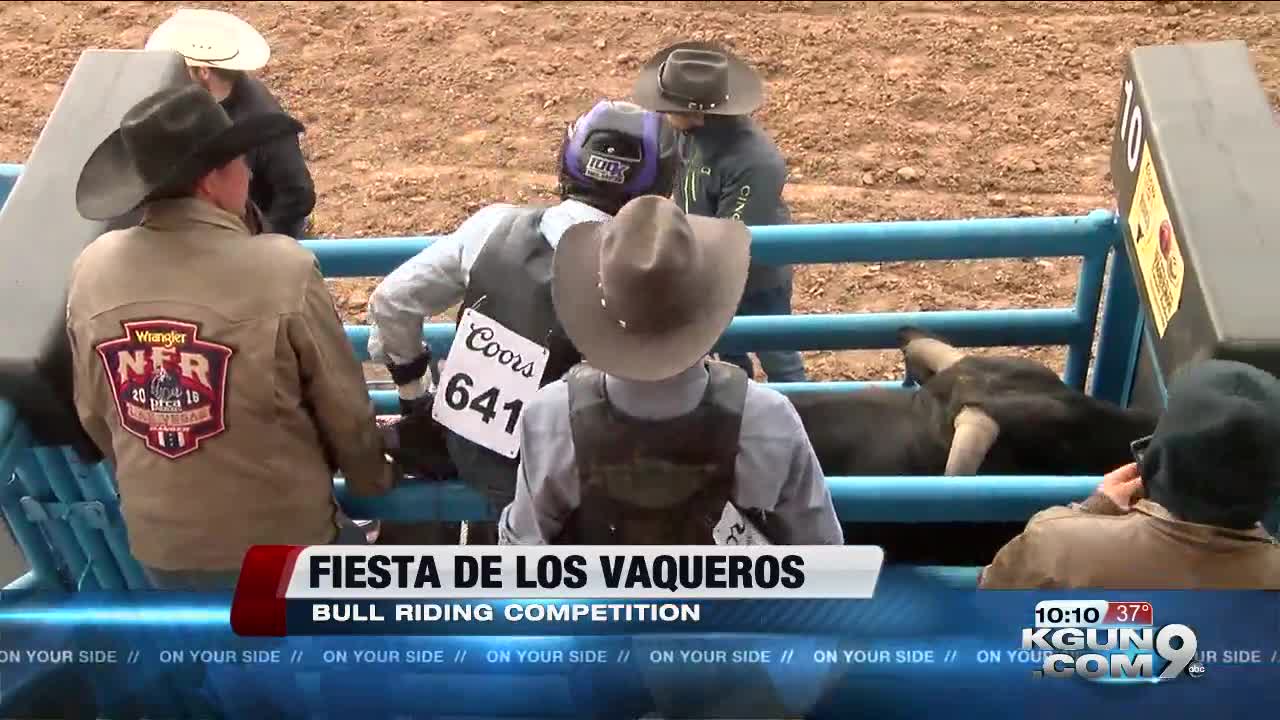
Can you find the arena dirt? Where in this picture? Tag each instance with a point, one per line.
(420, 113)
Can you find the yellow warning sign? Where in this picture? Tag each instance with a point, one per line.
(1159, 257)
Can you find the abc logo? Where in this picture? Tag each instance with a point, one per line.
(1196, 670)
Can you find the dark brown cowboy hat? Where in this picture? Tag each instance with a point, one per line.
(165, 143)
(698, 77)
(646, 295)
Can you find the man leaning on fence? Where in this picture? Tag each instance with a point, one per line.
(1186, 515)
(211, 367)
(498, 264)
(730, 167)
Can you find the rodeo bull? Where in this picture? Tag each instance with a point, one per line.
(970, 415)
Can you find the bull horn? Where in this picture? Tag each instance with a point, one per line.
(931, 353)
(975, 433)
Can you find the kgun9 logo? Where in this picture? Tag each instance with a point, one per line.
(1114, 654)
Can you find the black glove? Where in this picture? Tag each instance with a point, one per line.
(417, 406)
(417, 445)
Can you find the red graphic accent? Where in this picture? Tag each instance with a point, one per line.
(1128, 613)
(259, 606)
(170, 386)
(1166, 238)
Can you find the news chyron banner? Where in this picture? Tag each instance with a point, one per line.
(509, 590)
(721, 632)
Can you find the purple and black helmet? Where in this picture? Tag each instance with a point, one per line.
(616, 152)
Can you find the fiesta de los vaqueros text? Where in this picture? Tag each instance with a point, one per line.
(626, 572)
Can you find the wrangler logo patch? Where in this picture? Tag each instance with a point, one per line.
(169, 386)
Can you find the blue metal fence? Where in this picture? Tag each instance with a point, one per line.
(66, 515)
(8, 178)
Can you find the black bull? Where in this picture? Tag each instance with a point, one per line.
(970, 415)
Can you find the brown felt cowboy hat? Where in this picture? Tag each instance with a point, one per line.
(164, 144)
(647, 294)
(698, 77)
(211, 38)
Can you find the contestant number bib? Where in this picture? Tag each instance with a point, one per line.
(734, 529)
(488, 378)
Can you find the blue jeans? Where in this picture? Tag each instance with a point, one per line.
(778, 365)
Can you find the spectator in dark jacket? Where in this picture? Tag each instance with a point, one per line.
(732, 169)
(221, 50)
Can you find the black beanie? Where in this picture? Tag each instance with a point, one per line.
(1214, 458)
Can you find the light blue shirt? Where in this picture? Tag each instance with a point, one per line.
(776, 468)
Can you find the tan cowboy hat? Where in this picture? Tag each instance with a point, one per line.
(698, 77)
(211, 38)
(646, 295)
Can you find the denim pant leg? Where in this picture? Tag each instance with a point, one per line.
(486, 533)
(778, 365)
(746, 306)
(490, 475)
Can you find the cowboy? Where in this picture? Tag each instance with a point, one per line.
(210, 365)
(1187, 513)
(646, 442)
(221, 50)
(498, 266)
(732, 169)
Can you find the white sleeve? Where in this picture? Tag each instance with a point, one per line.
(425, 285)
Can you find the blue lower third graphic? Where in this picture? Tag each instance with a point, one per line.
(901, 654)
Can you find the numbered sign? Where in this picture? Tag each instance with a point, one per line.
(489, 377)
(734, 529)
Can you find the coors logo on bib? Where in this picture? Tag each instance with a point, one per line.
(491, 374)
(480, 339)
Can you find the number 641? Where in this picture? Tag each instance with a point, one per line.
(457, 395)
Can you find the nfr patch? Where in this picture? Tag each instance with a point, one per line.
(169, 386)
(606, 169)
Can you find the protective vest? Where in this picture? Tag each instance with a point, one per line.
(653, 482)
(511, 283)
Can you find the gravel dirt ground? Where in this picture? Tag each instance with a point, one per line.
(420, 113)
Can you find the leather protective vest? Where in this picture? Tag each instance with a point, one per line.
(510, 282)
(653, 482)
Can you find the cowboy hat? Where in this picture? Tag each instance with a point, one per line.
(165, 143)
(646, 295)
(211, 38)
(698, 77)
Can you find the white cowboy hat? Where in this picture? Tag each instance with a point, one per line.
(211, 38)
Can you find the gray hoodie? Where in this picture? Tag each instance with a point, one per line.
(732, 169)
